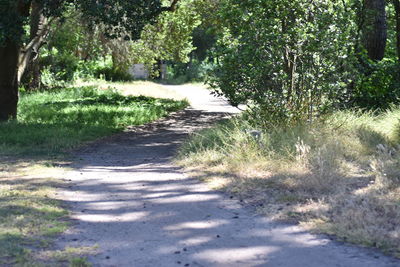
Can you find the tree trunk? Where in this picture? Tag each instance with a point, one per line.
(32, 76)
(289, 61)
(39, 28)
(9, 54)
(374, 29)
(396, 4)
(9, 61)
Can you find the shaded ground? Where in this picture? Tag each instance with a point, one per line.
(141, 210)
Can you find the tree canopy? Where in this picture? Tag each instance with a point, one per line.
(120, 16)
(24, 25)
(291, 60)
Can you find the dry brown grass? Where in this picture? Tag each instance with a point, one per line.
(339, 176)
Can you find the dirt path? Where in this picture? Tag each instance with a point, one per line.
(142, 211)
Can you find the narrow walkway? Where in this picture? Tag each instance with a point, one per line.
(142, 211)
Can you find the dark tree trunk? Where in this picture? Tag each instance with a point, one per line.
(32, 76)
(289, 59)
(374, 28)
(9, 63)
(9, 54)
(396, 4)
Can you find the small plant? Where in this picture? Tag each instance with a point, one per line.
(79, 262)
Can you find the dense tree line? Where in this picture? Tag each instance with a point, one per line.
(288, 60)
(293, 60)
(24, 25)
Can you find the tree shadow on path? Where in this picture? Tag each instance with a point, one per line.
(142, 211)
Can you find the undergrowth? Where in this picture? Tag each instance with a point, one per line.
(338, 175)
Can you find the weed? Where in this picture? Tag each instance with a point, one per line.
(79, 262)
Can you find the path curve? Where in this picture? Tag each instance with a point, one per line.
(129, 199)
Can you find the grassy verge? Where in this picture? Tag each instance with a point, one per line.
(48, 124)
(339, 175)
(29, 214)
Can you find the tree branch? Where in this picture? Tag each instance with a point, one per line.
(172, 7)
(40, 26)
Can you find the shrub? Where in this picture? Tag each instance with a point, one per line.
(277, 58)
(109, 73)
(379, 86)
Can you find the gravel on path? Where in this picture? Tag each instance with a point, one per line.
(141, 210)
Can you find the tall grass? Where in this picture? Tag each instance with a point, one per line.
(51, 121)
(338, 175)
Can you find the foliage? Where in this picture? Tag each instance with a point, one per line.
(194, 71)
(74, 35)
(168, 39)
(110, 73)
(75, 50)
(52, 121)
(75, 44)
(119, 16)
(379, 88)
(203, 41)
(290, 60)
(18, 47)
(62, 64)
(10, 21)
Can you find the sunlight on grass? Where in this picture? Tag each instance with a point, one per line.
(52, 121)
(136, 88)
(30, 216)
(75, 256)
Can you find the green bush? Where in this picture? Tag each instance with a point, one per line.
(379, 86)
(58, 68)
(109, 73)
(276, 59)
(195, 71)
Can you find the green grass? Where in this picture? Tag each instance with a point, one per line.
(339, 175)
(50, 122)
(29, 218)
